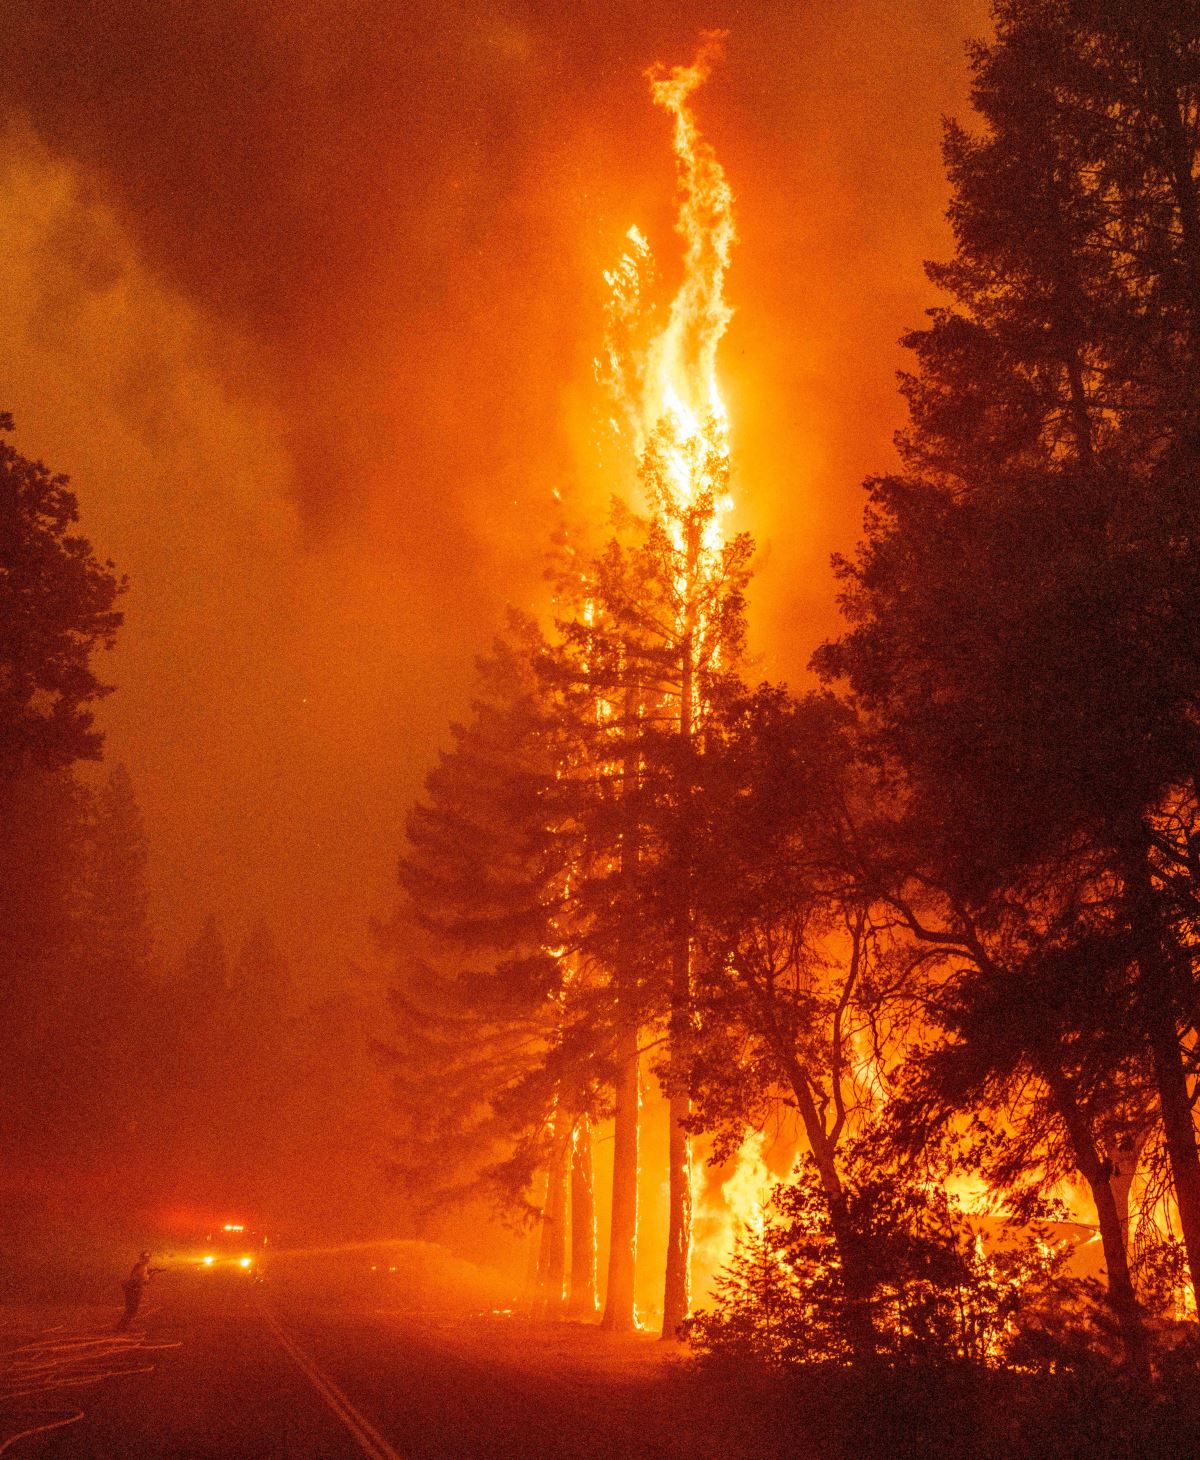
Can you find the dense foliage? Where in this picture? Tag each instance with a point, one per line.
(56, 608)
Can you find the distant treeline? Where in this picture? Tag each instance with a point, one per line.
(142, 1089)
(136, 1089)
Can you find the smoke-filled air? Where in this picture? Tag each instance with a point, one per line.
(599, 754)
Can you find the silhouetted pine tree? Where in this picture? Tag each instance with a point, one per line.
(56, 610)
(117, 1000)
(47, 1048)
(1023, 635)
(485, 1091)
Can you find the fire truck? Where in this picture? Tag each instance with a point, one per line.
(233, 1250)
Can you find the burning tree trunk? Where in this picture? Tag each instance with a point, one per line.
(620, 1315)
(677, 1288)
(584, 1296)
(677, 1291)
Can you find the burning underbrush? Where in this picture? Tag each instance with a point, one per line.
(901, 1273)
(899, 1321)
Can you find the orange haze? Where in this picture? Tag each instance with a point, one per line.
(305, 298)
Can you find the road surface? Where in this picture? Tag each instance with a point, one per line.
(214, 1373)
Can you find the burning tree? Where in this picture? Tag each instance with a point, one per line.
(677, 598)
(932, 1296)
(647, 629)
(669, 596)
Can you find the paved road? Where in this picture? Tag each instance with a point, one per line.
(238, 1372)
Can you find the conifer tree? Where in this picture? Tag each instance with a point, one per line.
(677, 593)
(118, 902)
(485, 991)
(656, 624)
(43, 867)
(1023, 634)
(56, 609)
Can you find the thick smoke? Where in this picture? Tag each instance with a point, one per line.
(305, 297)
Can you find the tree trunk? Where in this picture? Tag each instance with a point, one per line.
(583, 1300)
(677, 1289)
(1120, 1284)
(855, 1279)
(1157, 988)
(620, 1312)
(677, 1286)
(1124, 1164)
(1113, 1231)
(1178, 1126)
(533, 1265)
(620, 1315)
(552, 1257)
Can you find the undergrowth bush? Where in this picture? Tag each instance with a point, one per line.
(935, 1293)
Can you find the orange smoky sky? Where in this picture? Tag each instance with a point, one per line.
(305, 298)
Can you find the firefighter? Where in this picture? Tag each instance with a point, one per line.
(134, 1286)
